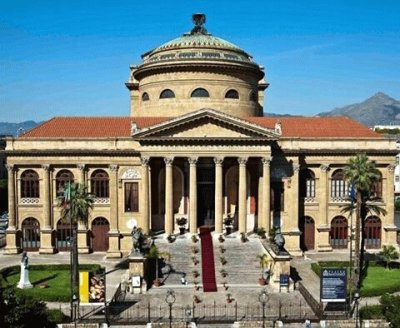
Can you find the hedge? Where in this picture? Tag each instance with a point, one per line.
(371, 312)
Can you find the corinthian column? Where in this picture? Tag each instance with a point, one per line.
(218, 194)
(266, 195)
(193, 195)
(113, 235)
(46, 197)
(169, 196)
(144, 197)
(242, 194)
(11, 247)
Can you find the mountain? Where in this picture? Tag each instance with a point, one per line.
(16, 128)
(380, 109)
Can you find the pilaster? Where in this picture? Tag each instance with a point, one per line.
(113, 235)
(390, 235)
(266, 194)
(144, 196)
(192, 195)
(218, 194)
(169, 196)
(323, 224)
(242, 194)
(45, 232)
(11, 236)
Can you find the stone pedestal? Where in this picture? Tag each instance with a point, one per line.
(323, 238)
(137, 268)
(113, 244)
(292, 242)
(45, 242)
(24, 278)
(11, 242)
(83, 247)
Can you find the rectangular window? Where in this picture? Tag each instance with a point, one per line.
(310, 188)
(131, 197)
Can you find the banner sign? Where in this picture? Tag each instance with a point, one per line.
(333, 285)
(84, 286)
(97, 288)
(284, 280)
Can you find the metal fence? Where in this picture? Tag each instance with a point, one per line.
(124, 313)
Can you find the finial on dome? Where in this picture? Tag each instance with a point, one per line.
(198, 20)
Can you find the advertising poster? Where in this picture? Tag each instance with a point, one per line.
(97, 288)
(333, 285)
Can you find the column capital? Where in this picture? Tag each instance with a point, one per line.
(218, 160)
(113, 167)
(10, 167)
(193, 160)
(324, 167)
(168, 160)
(144, 160)
(46, 167)
(391, 168)
(242, 160)
(81, 166)
(266, 160)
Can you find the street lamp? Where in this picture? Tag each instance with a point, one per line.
(74, 307)
(188, 314)
(170, 300)
(263, 298)
(356, 302)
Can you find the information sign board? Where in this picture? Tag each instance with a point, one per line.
(333, 285)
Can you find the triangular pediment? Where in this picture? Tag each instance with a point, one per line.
(205, 124)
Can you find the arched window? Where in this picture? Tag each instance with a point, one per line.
(167, 93)
(200, 93)
(376, 188)
(253, 96)
(372, 232)
(64, 234)
(307, 183)
(99, 183)
(339, 187)
(30, 234)
(232, 94)
(338, 233)
(29, 184)
(145, 96)
(63, 177)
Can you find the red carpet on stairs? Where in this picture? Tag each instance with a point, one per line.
(207, 260)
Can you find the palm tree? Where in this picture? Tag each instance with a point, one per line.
(361, 173)
(75, 205)
(264, 261)
(389, 254)
(155, 254)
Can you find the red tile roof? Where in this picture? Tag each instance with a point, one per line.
(114, 127)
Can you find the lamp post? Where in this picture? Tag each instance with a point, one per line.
(170, 300)
(188, 314)
(74, 307)
(263, 298)
(356, 300)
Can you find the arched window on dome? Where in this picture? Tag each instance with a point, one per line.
(232, 94)
(167, 93)
(253, 96)
(200, 93)
(145, 96)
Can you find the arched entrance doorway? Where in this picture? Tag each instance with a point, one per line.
(100, 229)
(205, 192)
(64, 233)
(307, 227)
(339, 232)
(30, 234)
(372, 232)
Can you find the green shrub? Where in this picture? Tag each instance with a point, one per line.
(57, 316)
(371, 312)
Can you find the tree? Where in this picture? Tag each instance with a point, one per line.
(19, 311)
(389, 254)
(361, 173)
(264, 261)
(75, 206)
(390, 308)
(155, 254)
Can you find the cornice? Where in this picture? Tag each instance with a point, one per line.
(70, 152)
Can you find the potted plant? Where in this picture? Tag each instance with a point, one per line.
(155, 254)
(223, 273)
(195, 260)
(222, 249)
(228, 221)
(264, 261)
(222, 259)
(171, 238)
(194, 239)
(196, 299)
(195, 249)
(229, 298)
(221, 239)
(181, 222)
(260, 232)
(195, 273)
(243, 237)
(196, 285)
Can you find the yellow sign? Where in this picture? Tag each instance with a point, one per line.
(84, 286)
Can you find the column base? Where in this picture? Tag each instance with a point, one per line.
(11, 242)
(47, 250)
(12, 250)
(324, 248)
(83, 250)
(114, 255)
(45, 241)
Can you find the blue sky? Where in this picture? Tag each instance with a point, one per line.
(72, 57)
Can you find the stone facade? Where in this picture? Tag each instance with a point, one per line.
(201, 150)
